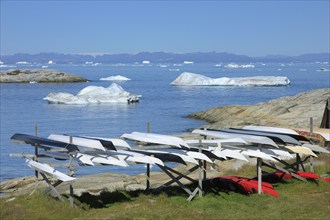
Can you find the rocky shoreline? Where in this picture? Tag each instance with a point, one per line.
(291, 112)
(38, 76)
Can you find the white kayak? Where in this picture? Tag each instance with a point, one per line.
(92, 159)
(137, 157)
(258, 154)
(79, 141)
(252, 152)
(271, 129)
(282, 154)
(115, 141)
(216, 141)
(199, 156)
(85, 159)
(232, 153)
(156, 139)
(45, 168)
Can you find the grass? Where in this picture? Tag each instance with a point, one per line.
(297, 200)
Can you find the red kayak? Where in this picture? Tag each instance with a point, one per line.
(307, 175)
(246, 185)
(279, 176)
(326, 179)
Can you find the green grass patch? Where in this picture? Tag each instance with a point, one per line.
(297, 200)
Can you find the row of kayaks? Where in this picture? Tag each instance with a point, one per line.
(266, 143)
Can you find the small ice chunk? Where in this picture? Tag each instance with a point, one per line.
(115, 78)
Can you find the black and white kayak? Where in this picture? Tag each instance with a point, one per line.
(84, 142)
(168, 156)
(271, 129)
(274, 130)
(225, 135)
(45, 143)
(277, 138)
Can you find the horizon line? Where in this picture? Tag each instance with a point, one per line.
(94, 54)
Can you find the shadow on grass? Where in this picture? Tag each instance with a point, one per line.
(105, 199)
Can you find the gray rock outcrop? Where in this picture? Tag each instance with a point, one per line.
(38, 76)
(292, 112)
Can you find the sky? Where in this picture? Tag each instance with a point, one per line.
(253, 28)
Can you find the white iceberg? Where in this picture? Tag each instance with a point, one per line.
(193, 79)
(115, 78)
(94, 94)
(234, 65)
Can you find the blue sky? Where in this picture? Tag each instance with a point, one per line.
(254, 28)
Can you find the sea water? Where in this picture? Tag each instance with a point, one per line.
(163, 105)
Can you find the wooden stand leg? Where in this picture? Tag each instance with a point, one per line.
(259, 172)
(148, 179)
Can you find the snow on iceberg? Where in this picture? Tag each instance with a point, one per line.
(192, 79)
(94, 94)
(115, 78)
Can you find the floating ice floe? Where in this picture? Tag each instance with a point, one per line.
(234, 65)
(192, 79)
(94, 94)
(323, 70)
(115, 78)
(22, 63)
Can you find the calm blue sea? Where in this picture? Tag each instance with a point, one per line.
(164, 106)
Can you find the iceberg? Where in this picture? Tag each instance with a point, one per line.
(115, 78)
(234, 65)
(94, 95)
(193, 79)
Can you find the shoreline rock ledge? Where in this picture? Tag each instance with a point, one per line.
(38, 76)
(291, 111)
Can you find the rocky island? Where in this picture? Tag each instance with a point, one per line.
(38, 76)
(291, 112)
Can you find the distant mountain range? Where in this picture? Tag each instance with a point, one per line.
(158, 57)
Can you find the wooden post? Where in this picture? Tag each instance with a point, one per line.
(148, 165)
(311, 168)
(259, 175)
(200, 171)
(204, 170)
(259, 172)
(36, 173)
(71, 174)
(148, 178)
(311, 125)
(148, 127)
